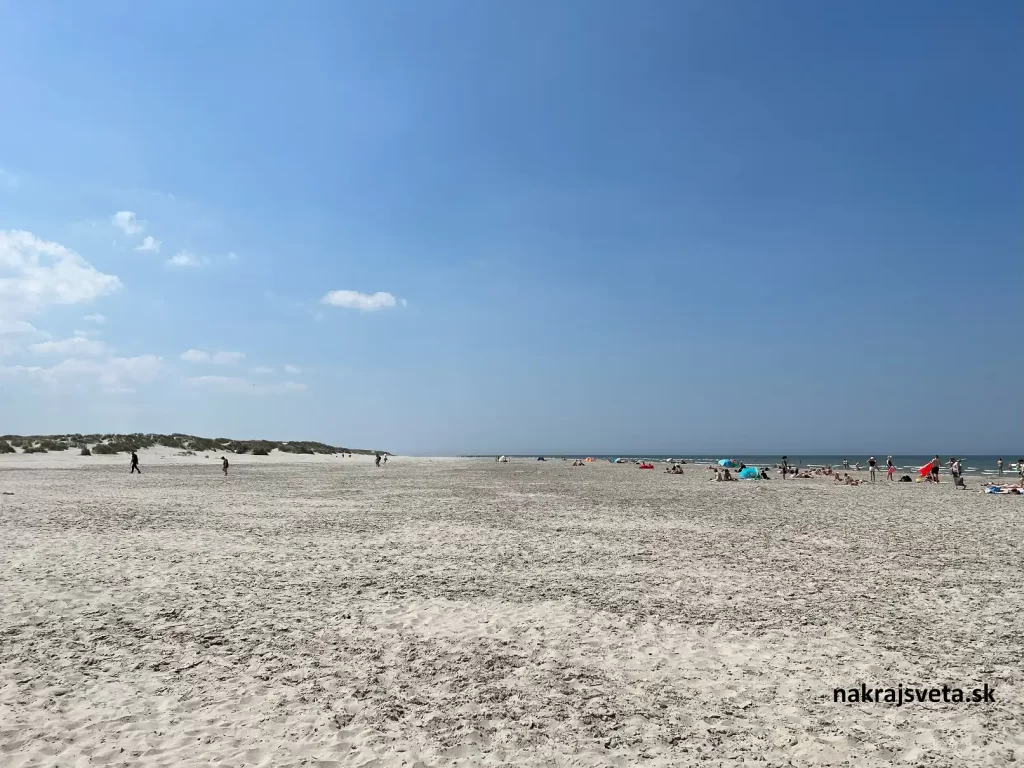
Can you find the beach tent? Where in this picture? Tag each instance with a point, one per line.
(726, 463)
(749, 473)
(589, 459)
(502, 459)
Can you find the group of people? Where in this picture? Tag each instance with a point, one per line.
(675, 469)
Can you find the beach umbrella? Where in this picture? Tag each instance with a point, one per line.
(726, 463)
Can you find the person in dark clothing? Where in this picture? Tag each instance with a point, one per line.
(224, 464)
(385, 458)
(377, 460)
(785, 467)
(135, 464)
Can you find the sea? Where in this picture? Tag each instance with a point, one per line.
(978, 465)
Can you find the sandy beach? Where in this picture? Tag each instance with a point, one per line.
(318, 611)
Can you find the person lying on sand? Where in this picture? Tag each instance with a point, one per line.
(675, 469)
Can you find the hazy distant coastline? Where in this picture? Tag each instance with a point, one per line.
(126, 443)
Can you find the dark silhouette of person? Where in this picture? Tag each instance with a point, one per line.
(385, 458)
(135, 464)
(377, 460)
(224, 464)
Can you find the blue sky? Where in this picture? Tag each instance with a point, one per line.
(458, 227)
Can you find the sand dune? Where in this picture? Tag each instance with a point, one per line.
(310, 610)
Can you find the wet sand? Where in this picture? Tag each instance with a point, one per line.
(317, 611)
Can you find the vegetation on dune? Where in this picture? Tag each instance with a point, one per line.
(101, 444)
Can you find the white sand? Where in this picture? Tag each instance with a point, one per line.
(318, 611)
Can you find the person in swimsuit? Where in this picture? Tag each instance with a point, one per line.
(999, 466)
(135, 464)
(871, 468)
(891, 467)
(935, 469)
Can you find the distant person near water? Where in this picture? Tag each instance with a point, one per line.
(891, 467)
(871, 468)
(999, 466)
(785, 467)
(935, 469)
(224, 464)
(135, 464)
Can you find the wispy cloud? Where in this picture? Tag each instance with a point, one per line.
(128, 223)
(14, 334)
(261, 370)
(232, 256)
(35, 274)
(112, 375)
(97, 318)
(149, 243)
(76, 346)
(242, 386)
(217, 358)
(294, 370)
(365, 302)
(185, 259)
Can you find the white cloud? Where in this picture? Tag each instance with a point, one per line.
(185, 259)
(115, 374)
(219, 358)
(128, 223)
(240, 386)
(149, 243)
(77, 346)
(366, 302)
(14, 334)
(232, 256)
(35, 274)
(195, 356)
(261, 370)
(97, 318)
(292, 369)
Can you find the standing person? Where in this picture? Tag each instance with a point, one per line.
(954, 470)
(224, 464)
(890, 466)
(999, 465)
(935, 469)
(1020, 470)
(385, 458)
(871, 468)
(135, 464)
(377, 460)
(785, 467)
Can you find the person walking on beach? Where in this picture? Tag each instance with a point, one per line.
(999, 466)
(935, 469)
(871, 468)
(135, 464)
(385, 458)
(954, 470)
(377, 460)
(891, 467)
(224, 464)
(785, 467)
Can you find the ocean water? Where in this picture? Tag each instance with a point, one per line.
(982, 465)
